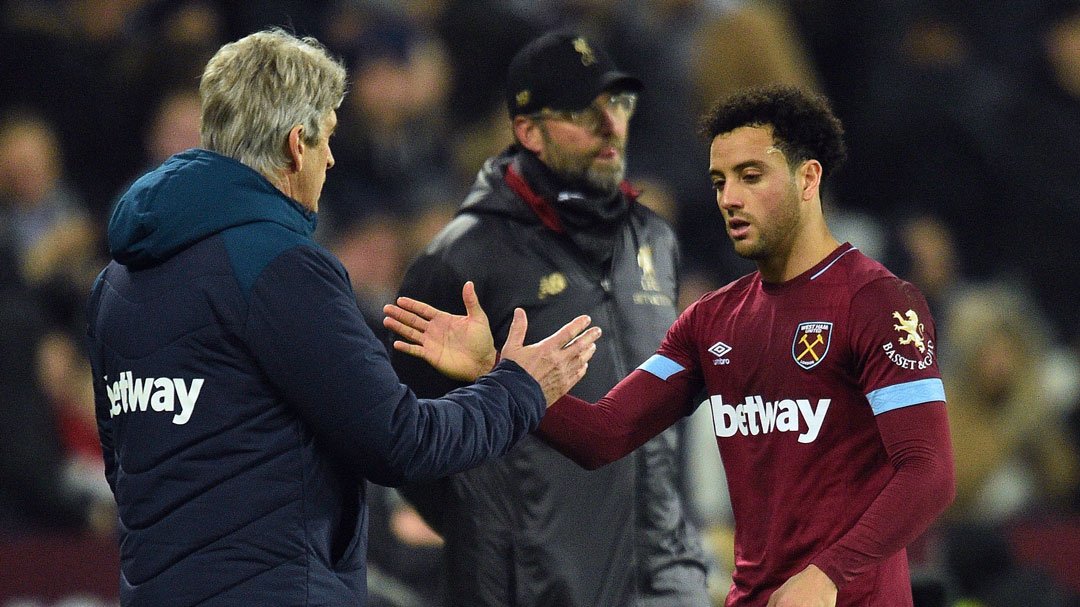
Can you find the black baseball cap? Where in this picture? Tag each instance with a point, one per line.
(562, 71)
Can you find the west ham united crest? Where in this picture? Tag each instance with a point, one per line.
(811, 343)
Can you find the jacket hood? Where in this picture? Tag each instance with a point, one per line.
(193, 195)
(491, 179)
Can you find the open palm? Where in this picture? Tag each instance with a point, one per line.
(460, 347)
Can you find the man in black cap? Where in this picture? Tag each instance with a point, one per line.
(551, 226)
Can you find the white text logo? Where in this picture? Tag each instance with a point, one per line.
(129, 394)
(756, 416)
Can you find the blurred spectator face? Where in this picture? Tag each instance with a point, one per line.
(933, 255)
(383, 92)
(29, 161)
(476, 143)
(390, 90)
(102, 19)
(176, 126)
(934, 43)
(994, 369)
(64, 375)
(372, 253)
(423, 11)
(1063, 51)
(423, 228)
(195, 24)
(995, 341)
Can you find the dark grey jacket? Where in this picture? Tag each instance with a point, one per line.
(532, 528)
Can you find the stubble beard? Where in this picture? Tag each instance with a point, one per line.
(773, 238)
(583, 170)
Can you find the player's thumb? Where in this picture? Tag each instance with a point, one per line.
(515, 337)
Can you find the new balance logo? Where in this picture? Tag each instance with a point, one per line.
(129, 394)
(757, 416)
(719, 349)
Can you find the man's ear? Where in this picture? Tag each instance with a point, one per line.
(809, 179)
(295, 148)
(527, 132)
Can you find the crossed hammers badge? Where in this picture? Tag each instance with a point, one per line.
(811, 343)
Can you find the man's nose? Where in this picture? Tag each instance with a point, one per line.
(611, 121)
(728, 198)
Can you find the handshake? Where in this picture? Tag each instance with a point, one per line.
(461, 347)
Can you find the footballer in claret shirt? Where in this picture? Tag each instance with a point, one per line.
(821, 374)
(815, 386)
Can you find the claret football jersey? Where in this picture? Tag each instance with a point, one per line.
(795, 374)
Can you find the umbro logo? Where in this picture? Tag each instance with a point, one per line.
(719, 349)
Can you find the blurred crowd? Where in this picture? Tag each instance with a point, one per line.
(960, 118)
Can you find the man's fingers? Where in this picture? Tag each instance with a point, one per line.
(407, 348)
(583, 358)
(586, 344)
(580, 374)
(403, 329)
(585, 339)
(515, 337)
(472, 302)
(419, 308)
(576, 369)
(568, 332)
(404, 317)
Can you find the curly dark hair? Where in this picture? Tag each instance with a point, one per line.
(804, 126)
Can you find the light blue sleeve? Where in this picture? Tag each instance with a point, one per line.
(661, 366)
(906, 394)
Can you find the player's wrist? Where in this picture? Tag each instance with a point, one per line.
(830, 572)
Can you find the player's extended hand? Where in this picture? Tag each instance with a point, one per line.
(808, 588)
(557, 362)
(460, 347)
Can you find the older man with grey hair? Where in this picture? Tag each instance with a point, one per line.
(241, 399)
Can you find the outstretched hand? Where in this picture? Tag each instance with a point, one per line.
(558, 361)
(460, 347)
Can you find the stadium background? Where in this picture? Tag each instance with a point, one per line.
(963, 123)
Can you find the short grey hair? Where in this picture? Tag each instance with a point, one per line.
(255, 90)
